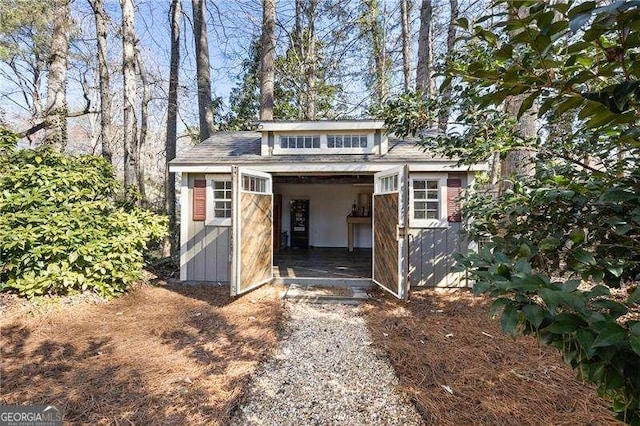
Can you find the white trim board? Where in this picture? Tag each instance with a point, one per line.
(279, 126)
(308, 167)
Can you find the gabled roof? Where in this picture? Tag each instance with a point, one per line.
(243, 148)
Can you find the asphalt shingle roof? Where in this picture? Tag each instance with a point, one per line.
(244, 147)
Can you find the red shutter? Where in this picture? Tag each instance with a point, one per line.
(199, 199)
(454, 188)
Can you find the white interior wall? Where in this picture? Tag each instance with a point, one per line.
(329, 205)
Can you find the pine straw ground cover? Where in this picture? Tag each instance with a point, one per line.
(458, 368)
(164, 354)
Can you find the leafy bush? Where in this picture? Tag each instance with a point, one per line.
(60, 228)
(557, 250)
(565, 238)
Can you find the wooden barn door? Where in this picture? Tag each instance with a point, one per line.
(252, 230)
(390, 231)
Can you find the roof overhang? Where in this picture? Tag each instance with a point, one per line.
(288, 126)
(315, 167)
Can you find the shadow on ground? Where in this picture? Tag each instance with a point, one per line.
(165, 354)
(458, 368)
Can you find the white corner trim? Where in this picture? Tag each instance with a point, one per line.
(184, 224)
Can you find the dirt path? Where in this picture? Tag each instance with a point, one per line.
(325, 371)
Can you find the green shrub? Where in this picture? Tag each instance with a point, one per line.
(61, 229)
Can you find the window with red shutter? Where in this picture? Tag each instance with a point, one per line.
(454, 188)
(199, 199)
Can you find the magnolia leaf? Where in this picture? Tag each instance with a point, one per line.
(609, 334)
(534, 314)
(579, 21)
(577, 236)
(564, 323)
(583, 256)
(509, 321)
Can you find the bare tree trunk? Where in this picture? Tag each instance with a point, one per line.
(519, 162)
(443, 118)
(424, 68)
(56, 112)
(405, 8)
(144, 126)
(378, 49)
(172, 131)
(103, 69)
(268, 46)
(297, 28)
(205, 111)
(130, 90)
(310, 113)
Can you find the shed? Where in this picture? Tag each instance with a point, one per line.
(320, 200)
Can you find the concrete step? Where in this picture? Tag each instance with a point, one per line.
(325, 294)
(324, 282)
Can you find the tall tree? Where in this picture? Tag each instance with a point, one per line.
(424, 70)
(144, 125)
(130, 89)
(519, 162)
(25, 40)
(311, 61)
(244, 99)
(373, 30)
(302, 89)
(56, 111)
(106, 131)
(405, 11)
(205, 111)
(267, 48)
(443, 117)
(172, 119)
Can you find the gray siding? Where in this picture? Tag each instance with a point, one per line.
(431, 256)
(207, 247)
(431, 253)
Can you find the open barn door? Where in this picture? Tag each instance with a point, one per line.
(252, 230)
(390, 231)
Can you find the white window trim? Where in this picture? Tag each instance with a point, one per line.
(268, 184)
(324, 147)
(384, 174)
(442, 221)
(210, 204)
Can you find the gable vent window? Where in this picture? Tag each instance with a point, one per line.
(347, 141)
(300, 142)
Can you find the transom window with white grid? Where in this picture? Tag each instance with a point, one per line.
(300, 142)
(388, 183)
(254, 184)
(347, 141)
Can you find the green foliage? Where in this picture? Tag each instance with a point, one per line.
(61, 230)
(8, 140)
(291, 86)
(244, 99)
(25, 29)
(557, 246)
